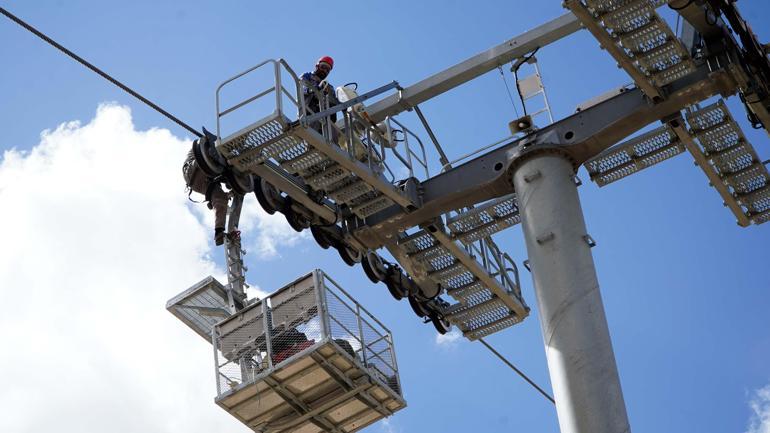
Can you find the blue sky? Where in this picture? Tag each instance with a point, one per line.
(686, 290)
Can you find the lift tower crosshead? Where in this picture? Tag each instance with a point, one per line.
(334, 178)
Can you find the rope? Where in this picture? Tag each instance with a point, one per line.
(103, 74)
(510, 95)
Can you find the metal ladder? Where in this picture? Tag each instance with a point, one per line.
(489, 300)
(638, 38)
(485, 220)
(722, 143)
(634, 155)
(718, 146)
(307, 150)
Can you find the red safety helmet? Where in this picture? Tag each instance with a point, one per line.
(325, 59)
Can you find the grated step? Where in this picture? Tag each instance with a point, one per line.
(373, 205)
(638, 38)
(634, 155)
(734, 159)
(480, 309)
(485, 220)
(348, 189)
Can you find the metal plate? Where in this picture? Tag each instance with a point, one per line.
(201, 306)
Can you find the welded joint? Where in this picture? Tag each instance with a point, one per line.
(589, 240)
(545, 238)
(401, 102)
(529, 178)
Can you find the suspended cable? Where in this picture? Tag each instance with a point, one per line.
(510, 95)
(103, 74)
(519, 372)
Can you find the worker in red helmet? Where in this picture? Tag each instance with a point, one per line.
(315, 85)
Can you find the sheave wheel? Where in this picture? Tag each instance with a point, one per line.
(394, 286)
(268, 196)
(373, 267)
(442, 325)
(419, 309)
(349, 255)
(296, 222)
(320, 237)
(240, 183)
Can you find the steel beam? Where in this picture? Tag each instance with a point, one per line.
(581, 362)
(581, 136)
(474, 67)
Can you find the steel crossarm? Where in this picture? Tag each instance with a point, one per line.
(474, 67)
(579, 137)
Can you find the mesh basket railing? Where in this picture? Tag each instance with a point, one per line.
(360, 334)
(269, 333)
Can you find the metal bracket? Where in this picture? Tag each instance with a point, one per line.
(545, 238)
(529, 178)
(589, 240)
(577, 180)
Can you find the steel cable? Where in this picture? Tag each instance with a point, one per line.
(103, 74)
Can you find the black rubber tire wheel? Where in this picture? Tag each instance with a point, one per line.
(211, 155)
(295, 221)
(374, 267)
(320, 237)
(200, 161)
(266, 196)
(442, 325)
(349, 255)
(368, 271)
(419, 309)
(395, 289)
(240, 183)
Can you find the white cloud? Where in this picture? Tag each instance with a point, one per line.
(450, 339)
(97, 234)
(272, 231)
(760, 408)
(388, 426)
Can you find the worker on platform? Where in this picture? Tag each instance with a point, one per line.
(216, 198)
(315, 84)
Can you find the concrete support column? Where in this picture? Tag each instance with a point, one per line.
(581, 362)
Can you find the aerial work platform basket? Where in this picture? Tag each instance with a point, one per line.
(349, 161)
(307, 358)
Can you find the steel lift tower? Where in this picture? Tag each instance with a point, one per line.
(336, 178)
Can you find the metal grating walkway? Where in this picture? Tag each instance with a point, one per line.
(722, 143)
(485, 220)
(487, 303)
(325, 168)
(634, 155)
(638, 38)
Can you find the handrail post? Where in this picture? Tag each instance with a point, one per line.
(361, 334)
(278, 89)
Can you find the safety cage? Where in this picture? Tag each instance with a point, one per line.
(306, 358)
(325, 139)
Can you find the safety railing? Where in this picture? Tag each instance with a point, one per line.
(388, 148)
(367, 142)
(293, 322)
(277, 90)
(410, 155)
(368, 338)
(498, 264)
(507, 139)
